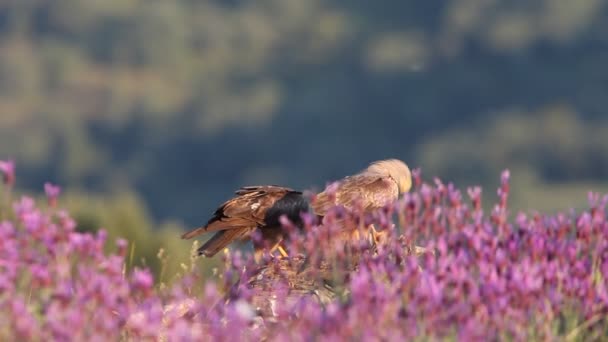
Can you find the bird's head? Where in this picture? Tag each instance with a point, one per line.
(397, 170)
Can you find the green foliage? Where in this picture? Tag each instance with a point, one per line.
(554, 156)
(123, 215)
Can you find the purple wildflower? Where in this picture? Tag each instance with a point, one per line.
(52, 193)
(142, 280)
(7, 167)
(122, 245)
(482, 277)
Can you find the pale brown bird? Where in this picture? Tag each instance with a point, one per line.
(253, 207)
(378, 185)
(375, 187)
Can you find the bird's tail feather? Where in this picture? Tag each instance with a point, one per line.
(195, 232)
(219, 241)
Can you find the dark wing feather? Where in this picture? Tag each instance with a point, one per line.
(246, 210)
(266, 189)
(250, 209)
(221, 240)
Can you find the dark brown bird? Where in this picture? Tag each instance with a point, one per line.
(253, 207)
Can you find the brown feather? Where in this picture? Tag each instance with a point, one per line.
(371, 190)
(221, 240)
(241, 216)
(375, 187)
(193, 233)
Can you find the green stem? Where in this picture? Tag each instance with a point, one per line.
(572, 336)
(6, 202)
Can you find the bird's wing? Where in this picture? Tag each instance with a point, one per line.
(263, 188)
(246, 210)
(372, 191)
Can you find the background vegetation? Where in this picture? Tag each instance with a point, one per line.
(150, 113)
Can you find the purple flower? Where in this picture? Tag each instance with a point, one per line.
(24, 324)
(122, 245)
(52, 193)
(41, 275)
(505, 176)
(24, 206)
(7, 167)
(417, 177)
(67, 223)
(142, 280)
(488, 276)
(475, 195)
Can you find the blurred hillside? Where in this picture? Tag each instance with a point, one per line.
(183, 101)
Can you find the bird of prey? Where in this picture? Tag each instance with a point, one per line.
(253, 207)
(378, 185)
(260, 207)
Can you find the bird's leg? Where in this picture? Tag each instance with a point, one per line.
(282, 251)
(372, 235)
(258, 255)
(356, 235)
(280, 248)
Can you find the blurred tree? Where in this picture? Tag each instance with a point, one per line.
(184, 101)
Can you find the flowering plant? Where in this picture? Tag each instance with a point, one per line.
(483, 277)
